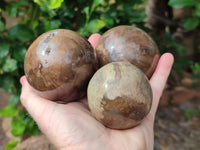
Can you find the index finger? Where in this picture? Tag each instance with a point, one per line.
(93, 39)
(159, 79)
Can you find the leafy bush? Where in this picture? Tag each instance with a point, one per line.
(192, 20)
(84, 16)
(191, 23)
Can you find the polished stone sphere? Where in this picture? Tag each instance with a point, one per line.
(119, 95)
(59, 65)
(128, 43)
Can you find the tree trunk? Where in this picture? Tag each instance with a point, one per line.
(159, 15)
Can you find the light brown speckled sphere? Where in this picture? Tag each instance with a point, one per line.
(119, 95)
(128, 43)
(59, 65)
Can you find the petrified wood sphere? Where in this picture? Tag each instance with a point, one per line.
(59, 65)
(119, 95)
(128, 43)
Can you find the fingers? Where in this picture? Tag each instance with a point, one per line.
(93, 39)
(159, 79)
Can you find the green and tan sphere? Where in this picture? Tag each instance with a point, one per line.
(119, 95)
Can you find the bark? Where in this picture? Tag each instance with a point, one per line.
(159, 15)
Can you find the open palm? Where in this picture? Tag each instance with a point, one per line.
(72, 127)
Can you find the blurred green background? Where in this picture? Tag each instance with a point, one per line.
(173, 24)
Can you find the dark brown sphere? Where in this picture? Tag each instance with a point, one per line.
(59, 65)
(119, 95)
(128, 43)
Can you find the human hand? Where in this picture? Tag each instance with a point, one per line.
(71, 126)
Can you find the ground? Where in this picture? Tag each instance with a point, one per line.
(177, 127)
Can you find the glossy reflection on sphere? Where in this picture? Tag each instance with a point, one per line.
(128, 43)
(59, 65)
(119, 95)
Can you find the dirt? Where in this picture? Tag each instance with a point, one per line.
(177, 127)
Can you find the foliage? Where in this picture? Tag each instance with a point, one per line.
(11, 145)
(52, 4)
(169, 44)
(196, 73)
(84, 16)
(9, 111)
(190, 113)
(192, 20)
(13, 45)
(39, 16)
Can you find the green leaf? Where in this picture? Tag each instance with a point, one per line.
(181, 3)
(32, 128)
(7, 83)
(96, 3)
(2, 25)
(18, 127)
(4, 49)
(24, 123)
(189, 114)
(34, 131)
(95, 25)
(86, 10)
(54, 24)
(190, 23)
(34, 24)
(12, 9)
(14, 100)
(11, 145)
(51, 4)
(10, 65)
(19, 54)
(55, 4)
(39, 2)
(24, 2)
(20, 32)
(138, 16)
(197, 10)
(195, 69)
(109, 20)
(9, 111)
(68, 13)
